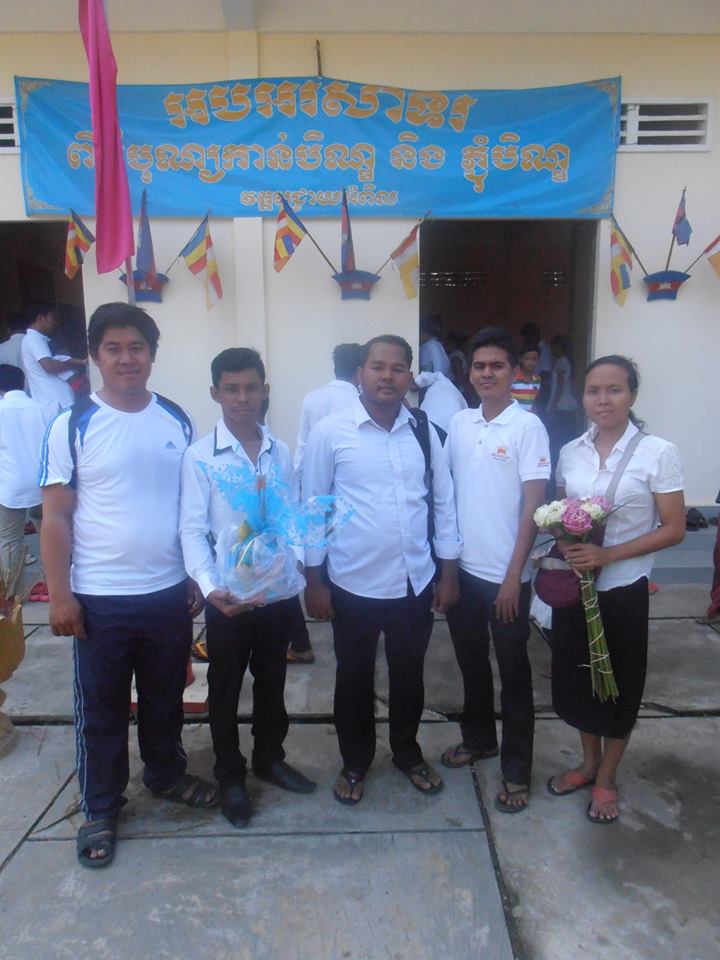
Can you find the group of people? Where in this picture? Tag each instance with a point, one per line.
(133, 504)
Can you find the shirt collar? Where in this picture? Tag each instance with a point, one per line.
(505, 417)
(589, 437)
(37, 333)
(223, 440)
(343, 383)
(361, 415)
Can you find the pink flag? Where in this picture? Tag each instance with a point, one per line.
(114, 228)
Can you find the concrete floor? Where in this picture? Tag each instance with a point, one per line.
(401, 876)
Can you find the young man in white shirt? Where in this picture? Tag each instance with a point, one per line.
(433, 356)
(10, 348)
(42, 370)
(380, 566)
(500, 462)
(239, 452)
(22, 427)
(111, 476)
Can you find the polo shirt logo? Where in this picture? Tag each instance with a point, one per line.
(500, 454)
(544, 461)
(170, 445)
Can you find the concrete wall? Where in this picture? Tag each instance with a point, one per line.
(296, 317)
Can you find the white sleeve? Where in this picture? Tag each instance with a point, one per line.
(318, 473)
(35, 348)
(56, 461)
(666, 475)
(447, 542)
(194, 525)
(534, 452)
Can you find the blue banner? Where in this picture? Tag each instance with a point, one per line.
(231, 146)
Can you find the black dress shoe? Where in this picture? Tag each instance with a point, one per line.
(235, 803)
(285, 777)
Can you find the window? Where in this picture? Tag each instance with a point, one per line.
(654, 125)
(8, 134)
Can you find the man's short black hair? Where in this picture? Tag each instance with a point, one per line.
(431, 324)
(11, 378)
(347, 357)
(235, 359)
(495, 337)
(390, 339)
(121, 314)
(37, 308)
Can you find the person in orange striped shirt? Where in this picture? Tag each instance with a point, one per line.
(526, 386)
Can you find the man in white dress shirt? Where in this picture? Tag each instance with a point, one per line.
(433, 356)
(335, 395)
(499, 458)
(239, 634)
(42, 370)
(380, 566)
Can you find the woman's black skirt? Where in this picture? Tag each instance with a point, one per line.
(624, 612)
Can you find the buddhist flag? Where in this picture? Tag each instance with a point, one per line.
(199, 255)
(681, 227)
(405, 257)
(79, 240)
(712, 252)
(620, 265)
(289, 233)
(112, 196)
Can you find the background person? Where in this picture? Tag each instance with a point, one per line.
(10, 349)
(432, 353)
(526, 386)
(42, 370)
(650, 517)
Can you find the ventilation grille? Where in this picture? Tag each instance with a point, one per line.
(8, 133)
(451, 278)
(680, 125)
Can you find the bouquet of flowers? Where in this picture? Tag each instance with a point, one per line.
(579, 521)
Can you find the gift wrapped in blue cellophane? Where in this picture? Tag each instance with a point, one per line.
(259, 550)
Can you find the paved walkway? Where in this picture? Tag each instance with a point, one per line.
(401, 876)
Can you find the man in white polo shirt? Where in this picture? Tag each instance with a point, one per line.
(117, 583)
(43, 371)
(374, 455)
(22, 427)
(500, 462)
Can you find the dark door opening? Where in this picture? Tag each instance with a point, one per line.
(477, 273)
(32, 268)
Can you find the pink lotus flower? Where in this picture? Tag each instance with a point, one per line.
(604, 504)
(576, 520)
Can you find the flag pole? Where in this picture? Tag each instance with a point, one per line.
(702, 253)
(130, 277)
(420, 221)
(631, 248)
(315, 243)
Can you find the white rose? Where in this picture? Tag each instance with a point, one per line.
(593, 510)
(555, 512)
(540, 515)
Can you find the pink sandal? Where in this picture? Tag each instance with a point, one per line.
(602, 795)
(576, 780)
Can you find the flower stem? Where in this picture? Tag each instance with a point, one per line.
(602, 679)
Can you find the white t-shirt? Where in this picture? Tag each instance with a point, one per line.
(22, 427)
(654, 467)
(127, 481)
(434, 358)
(10, 350)
(489, 462)
(49, 389)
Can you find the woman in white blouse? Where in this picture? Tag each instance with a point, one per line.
(650, 517)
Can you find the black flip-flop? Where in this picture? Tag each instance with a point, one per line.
(504, 807)
(421, 770)
(472, 755)
(352, 779)
(97, 835)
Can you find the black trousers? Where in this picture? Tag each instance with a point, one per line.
(148, 635)
(298, 637)
(470, 622)
(407, 624)
(258, 639)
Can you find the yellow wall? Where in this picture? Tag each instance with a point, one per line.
(297, 317)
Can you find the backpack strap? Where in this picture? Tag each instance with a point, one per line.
(622, 465)
(421, 430)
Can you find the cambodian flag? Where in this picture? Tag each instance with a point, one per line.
(681, 228)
